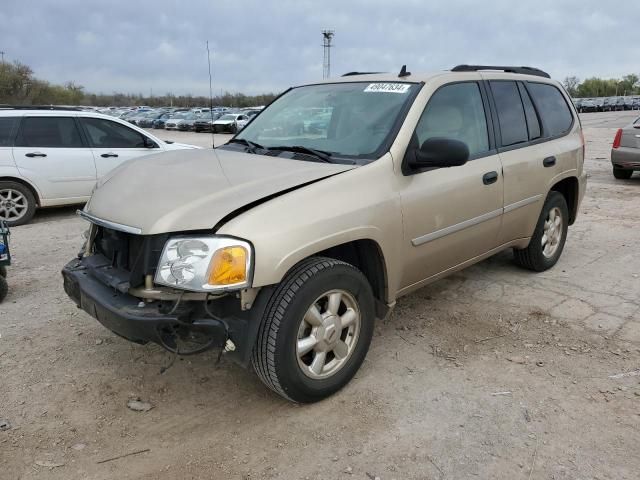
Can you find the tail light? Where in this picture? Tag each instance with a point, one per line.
(617, 139)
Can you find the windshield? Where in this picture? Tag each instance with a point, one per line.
(228, 117)
(344, 119)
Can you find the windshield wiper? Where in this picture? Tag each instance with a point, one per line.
(252, 145)
(320, 154)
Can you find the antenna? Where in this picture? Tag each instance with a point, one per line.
(213, 136)
(327, 36)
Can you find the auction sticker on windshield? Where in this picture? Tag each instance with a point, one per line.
(388, 87)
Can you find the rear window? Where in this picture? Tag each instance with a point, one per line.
(54, 132)
(553, 108)
(7, 130)
(513, 125)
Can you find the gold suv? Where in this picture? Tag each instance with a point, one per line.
(283, 246)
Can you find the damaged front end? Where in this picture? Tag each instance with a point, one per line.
(113, 281)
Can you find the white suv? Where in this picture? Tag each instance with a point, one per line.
(53, 157)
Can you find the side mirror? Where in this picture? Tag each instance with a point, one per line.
(148, 143)
(438, 152)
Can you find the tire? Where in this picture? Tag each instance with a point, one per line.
(3, 271)
(4, 289)
(20, 199)
(282, 361)
(538, 256)
(622, 174)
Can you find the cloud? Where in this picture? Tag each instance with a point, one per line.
(269, 45)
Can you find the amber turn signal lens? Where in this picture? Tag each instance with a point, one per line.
(228, 266)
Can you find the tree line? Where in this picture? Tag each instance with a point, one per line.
(601, 87)
(19, 86)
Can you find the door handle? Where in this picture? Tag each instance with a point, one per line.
(549, 161)
(110, 154)
(489, 178)
(35, 154)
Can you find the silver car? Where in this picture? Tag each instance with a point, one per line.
(625, 152)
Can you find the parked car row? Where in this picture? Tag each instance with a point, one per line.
(216, 119)
(607, 104)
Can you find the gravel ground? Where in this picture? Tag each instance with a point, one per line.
(494, 372)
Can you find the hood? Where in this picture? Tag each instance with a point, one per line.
(185, 190)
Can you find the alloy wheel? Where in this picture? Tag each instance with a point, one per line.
(552, 232)
(328, 334)
(13, 205)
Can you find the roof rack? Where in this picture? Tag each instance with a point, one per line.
(522, 70)
(38, 107)
(351, 74)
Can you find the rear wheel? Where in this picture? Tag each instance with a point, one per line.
(621, 173)
(548, 239)
(17, 203)
(3, 271)
(316, 331)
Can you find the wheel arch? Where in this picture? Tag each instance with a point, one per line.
(569, 187)
(22, 181)
(367, 256)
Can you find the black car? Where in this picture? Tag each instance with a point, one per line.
(147, 121)
(188, 122)
(203, 124)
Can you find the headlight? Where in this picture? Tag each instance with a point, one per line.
(205, 264)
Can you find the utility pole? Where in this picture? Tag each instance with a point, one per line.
(2, 55)
(327, 37)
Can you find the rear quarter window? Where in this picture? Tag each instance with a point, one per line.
(7, 130)
(552, 107)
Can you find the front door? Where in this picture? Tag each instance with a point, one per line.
(452, 214)
(114, 143)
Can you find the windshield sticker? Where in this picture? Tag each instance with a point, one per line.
(388, 87)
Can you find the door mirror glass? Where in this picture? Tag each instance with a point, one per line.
(148, 143)
(439, 152)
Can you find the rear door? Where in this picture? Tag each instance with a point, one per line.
(8, 127)
(113, 143)
(534, 120)
(49, 152)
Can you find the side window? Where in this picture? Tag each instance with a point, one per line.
(456, 111)
(107, 134)
(7, 130)
(56, 132)
(533, 123)
(553, 108)
(513, 125)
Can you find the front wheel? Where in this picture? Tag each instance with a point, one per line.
(548, 239)
(317, 330)
(621, 173)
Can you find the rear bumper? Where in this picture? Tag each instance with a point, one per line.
(626, 158)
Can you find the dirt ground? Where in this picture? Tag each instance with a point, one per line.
(494, 372)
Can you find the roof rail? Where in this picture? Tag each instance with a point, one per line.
(38, 107)
(522, 70)
(351, 74)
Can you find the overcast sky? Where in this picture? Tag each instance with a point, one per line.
(268, 45)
